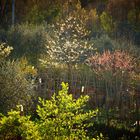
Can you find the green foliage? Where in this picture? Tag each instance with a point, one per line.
(104, 42)
(106, 22)
(43, 11)
(63, 116)
(15, 127)
(26, 68)
(133, 19)
(28, 41)
(100, 137)
(15, 86)
(35, 15)
(93, 21)
(53, 13)
(135, 76)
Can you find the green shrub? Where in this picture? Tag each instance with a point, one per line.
(15, 86)
(17, 127)
(64, 117)
(26, 39)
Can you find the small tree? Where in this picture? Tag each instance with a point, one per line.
(67, 41)
(63, 116)
(114, 68)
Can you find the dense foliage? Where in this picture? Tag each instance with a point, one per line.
(93, 45)
(15, 86)
(62, 117)
(120, 18)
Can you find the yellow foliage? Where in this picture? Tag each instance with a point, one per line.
(5, 50)
(26, 68)
(135, 79)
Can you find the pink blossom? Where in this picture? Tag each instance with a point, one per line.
(117, 60)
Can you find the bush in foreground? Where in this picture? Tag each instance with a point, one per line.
(62, 117)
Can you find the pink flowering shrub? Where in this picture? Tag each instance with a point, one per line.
(111, 61)
(113, 70)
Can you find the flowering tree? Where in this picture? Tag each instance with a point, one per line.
(67, 41)
(115, 61)
(114, 68)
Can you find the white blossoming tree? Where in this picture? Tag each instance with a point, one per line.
(67, 41)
